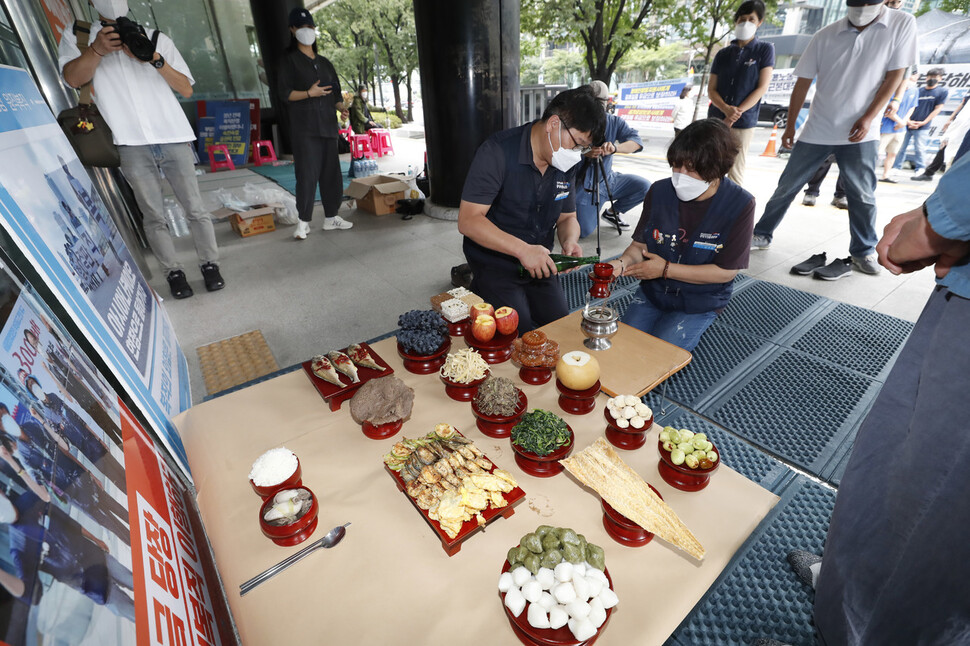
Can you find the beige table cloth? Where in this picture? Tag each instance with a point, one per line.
(390, 582)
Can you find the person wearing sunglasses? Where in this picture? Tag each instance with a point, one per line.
(519, 197)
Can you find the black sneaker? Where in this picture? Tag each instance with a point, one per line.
(834, 270)
(810, 265)
(615, 219)
(840, 202)
(461, 276)
(178, 284)
(212, 277)
(922, 177)
(801, 562)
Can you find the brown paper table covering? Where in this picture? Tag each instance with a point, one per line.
(390, 581)
(636, 363)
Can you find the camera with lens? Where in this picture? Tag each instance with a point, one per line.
(135, 38)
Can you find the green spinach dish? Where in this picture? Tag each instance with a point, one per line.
(540, 432)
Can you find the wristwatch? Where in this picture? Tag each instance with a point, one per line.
(159, 62)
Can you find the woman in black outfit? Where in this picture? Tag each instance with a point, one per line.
(309, 87)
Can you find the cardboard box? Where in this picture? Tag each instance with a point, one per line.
(258, 218)
(378, 193)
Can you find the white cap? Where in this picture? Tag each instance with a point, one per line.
(600, 90)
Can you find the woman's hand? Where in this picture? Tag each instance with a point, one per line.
(652, 267)
(316, 90)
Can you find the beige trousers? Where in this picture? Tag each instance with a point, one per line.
(744, 136)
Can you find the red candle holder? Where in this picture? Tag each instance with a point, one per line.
(601, 276)
(577, 402)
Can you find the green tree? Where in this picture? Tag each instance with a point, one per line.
(564, 67)
(646, 63)
(952, 6)
(606, 29)
(348, 42)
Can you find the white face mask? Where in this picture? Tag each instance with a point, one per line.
(745, 30)
(862, 16)
(688, 188)
(111, 8)
(306, 35)
(11, 427)
(363, 95)
(563, 159)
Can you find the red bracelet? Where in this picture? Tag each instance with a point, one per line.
(666, 267)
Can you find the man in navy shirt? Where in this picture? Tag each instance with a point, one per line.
(928, 105)
(740, 75)
(626, 191)
(520, 194)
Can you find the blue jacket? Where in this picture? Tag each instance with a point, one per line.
(950, 218)
(701, 249)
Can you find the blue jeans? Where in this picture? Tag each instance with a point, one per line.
(919, 138)
(628, 192)
(857, 166)
(679, 328)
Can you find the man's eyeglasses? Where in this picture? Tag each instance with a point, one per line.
(578, 147)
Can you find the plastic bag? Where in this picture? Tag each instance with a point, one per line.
(269, 194)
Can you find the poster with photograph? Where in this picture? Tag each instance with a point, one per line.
(50, 208)
(97, 540)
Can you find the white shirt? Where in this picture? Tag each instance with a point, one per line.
(850, 66)
(683, 113)
(138, 104)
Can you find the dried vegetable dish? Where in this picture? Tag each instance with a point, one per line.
(497, 397)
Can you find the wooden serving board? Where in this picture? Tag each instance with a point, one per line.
(453, 545)
(336, 395)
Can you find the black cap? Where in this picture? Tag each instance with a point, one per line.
(300, 17)
(862, 3)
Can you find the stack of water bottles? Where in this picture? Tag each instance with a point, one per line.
(178, 226)
(363, 167)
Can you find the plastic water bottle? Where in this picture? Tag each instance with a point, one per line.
(178, 226)
(373, 166)
(410, 171)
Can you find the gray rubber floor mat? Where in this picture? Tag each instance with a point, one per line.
(765, 309)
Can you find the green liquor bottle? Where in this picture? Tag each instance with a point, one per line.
(564, 262)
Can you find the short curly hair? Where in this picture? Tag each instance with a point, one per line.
(707, 147)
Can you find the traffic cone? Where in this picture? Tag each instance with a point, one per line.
(770, 148)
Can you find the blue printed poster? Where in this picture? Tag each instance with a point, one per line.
(50, 208)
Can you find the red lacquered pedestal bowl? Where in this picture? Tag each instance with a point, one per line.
(294, 533)
(535, 376)
(500, 426)
(425, 365)
(577, 402)
(549, 636)
(680, 476)
(459, 328)
(623, 530)
(462, 392)
(381, 431)
(495, 350)
(294, 480)
(543, 466)
(628, 438)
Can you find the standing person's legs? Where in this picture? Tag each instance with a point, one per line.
(804, 160)
(140, 168)
(839, 188)
(937, 163)
(178, 164)
(816, 180)
(331, 179)
(857, 166)
(920, 138)
(682, 329)
(641, 313)
(901, 154)
(744, 136)
(307, 165)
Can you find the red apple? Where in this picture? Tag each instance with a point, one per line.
(507, 320)
(483, 329)
(480, 309)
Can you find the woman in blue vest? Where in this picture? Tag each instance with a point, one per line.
(691, 240)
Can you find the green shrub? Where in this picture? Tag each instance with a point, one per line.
(381, 119)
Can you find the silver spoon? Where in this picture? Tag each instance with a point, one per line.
(333, 537)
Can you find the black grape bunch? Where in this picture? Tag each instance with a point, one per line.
(422, 332)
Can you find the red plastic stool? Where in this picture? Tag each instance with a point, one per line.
(218, 165)
(380, 141)
(346, 133)
(258, 157)
(360, 146)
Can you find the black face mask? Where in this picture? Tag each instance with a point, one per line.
(931, 82)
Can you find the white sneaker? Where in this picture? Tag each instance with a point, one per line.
(302, 228)
(336, 222)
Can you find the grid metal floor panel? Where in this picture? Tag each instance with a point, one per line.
(721, 350)
(765, 309)
(856, 338)
(797, 407)
(758, 594)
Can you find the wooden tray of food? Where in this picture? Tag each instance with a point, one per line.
(335, 395)
(452, 545)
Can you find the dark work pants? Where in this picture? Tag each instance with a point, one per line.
(937, 164)
(537, 301)
(815, 183)
(894, 569)
(316, 163)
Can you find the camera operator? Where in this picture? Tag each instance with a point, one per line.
(149, 127)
